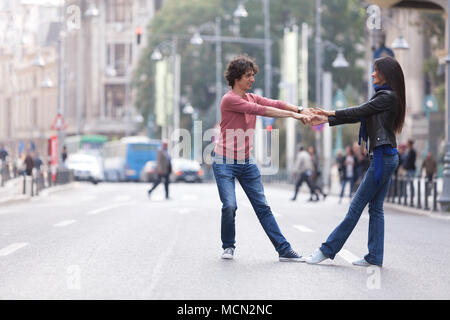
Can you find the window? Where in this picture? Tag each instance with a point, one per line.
(119, 11)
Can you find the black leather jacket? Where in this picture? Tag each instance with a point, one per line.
(379, 113)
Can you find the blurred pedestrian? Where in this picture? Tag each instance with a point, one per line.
(409, 164)
(37, 162)
(429, 164)
(315, 176)
(163, 169)
(363, 166)
(381, 118)
(29, 164)
(64, 154)
(340, 165)
(3, 154)
(303, 168)
(349, 172)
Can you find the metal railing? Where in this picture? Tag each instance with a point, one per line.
(417, 193)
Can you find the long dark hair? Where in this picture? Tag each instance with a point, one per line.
(392, 72)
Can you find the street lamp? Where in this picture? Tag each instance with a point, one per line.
(400, 43)
(445, 195)
(156, 55)
(92, 10)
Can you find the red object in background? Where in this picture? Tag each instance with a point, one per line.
(58, 123)
(53, 155)
(269, 128)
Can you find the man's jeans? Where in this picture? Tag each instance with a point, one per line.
(344, 183)
(410, 178)
(368, 192)
(248, 175)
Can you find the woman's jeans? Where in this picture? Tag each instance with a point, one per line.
(248, 175)
(373, 194)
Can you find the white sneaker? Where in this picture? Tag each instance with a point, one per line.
(361, 263)
(228, 253)
(316, 257)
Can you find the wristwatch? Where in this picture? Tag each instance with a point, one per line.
(300, 109)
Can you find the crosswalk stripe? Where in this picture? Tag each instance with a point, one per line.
(347, 256)
(12, 248)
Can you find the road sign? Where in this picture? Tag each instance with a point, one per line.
(58, 123)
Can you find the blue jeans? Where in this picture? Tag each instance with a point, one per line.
(368, 193)
(249, 177)
(344, 183)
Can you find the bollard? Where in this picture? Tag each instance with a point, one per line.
(412, 195)
(405, 193)
(419, 203)
(427, 188)
(32, 185)
(400, 181)
(435, 195)
(24, 184)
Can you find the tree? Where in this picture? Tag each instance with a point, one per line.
(342, 21)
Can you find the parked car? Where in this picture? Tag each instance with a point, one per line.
(148, 172)
(186, 170)
(86, 167)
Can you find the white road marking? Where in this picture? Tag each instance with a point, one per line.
(303, 228)
(12, 248)
(64, 223)
(122, 198)
(113, 206)
(348, 256)
(190, 197)
(184, 211)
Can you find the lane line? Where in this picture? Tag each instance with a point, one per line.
(113, 206)
(348, 256)
(64, 223)
(303, 228)
(12, 248)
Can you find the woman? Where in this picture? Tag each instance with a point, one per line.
(381, 118)
(232, 157)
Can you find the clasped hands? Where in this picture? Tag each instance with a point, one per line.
(313, 116)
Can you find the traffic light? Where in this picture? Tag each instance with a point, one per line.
(138, 35)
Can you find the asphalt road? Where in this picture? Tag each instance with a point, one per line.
(110, 241)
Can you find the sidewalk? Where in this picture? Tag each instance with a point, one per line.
(12, 191)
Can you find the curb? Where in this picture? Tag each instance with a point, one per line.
(415, 211)
(43, 193)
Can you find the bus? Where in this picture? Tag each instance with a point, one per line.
(88, 143)
(125, 158)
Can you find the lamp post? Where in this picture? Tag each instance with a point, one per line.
(444, 199)
(172, 45)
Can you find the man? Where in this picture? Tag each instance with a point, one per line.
(410, 164)
(303, 167)
(430, 166)
(29, 164)
(232, 155)
(163, 169)
(3, 153)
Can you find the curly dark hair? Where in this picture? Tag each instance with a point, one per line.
(238, 67)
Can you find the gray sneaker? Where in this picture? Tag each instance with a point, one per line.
(228, 253)
(316, 257)
(361, 263)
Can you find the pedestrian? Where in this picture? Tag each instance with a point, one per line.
(3, 154)
(382, 117)
(232, 155)
(29, 164)
(340, 165)
(349, 172)
(363, 166)
(163, 169)
(303, 168)
(37, 162)
(64, 154)
(409, 165)
(315, 176)
(429, 164)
